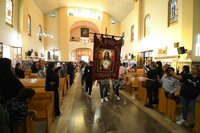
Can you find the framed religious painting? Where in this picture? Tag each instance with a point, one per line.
(106, 60)
(147, 25)
(172, 12)
(84, 32)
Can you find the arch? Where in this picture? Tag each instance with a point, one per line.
(78, 53)
(86, 24)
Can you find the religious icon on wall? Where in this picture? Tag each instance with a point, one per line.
(84, 32)
(106, 60)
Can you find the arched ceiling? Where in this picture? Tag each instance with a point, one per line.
(85, 24)
(118, 9)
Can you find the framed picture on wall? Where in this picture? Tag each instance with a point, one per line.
(84, 32)
(132, 33)
(172, 11)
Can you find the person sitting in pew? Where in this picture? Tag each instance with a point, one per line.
(18, 71)
(18, 110)
(4, 117)
(170, 84)
(10, 84)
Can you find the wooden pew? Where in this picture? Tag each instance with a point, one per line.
(134, 81)
(33, 82)
(38, 84)
(162, 105)
(196, 128)
(142, 93)
(127, 85)
(43, 102)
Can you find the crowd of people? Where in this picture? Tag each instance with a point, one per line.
(14, 97)
(188, 81)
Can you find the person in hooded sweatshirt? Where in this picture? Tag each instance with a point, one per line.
(9, 83)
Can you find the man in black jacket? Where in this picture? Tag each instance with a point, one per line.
(88, 78)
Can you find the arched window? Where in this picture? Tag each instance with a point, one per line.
(172, 11)
(147, 25)
(29, 25)
(9, 12)
(40, 32)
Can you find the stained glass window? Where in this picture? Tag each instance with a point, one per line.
(147, 25)
(9, 12)
(173, 11)
(40, 32)
(29, 25)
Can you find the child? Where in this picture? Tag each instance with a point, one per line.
(18, 109)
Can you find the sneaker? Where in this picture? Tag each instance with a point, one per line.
(118, 98)
(106, 99)
(180, 122)
(89, 96)
(108, 93)
(101, 100)
(115, 95)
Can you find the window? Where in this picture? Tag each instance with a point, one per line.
(9, 12)
(87, 13)
(172, 11)
(147, 25)
(29, 25)
(40, 32)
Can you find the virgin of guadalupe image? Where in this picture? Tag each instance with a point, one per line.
(106, 63)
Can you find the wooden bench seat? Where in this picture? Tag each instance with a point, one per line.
(43, 102)
(196, 128)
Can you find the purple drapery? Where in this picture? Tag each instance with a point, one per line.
(106, 57)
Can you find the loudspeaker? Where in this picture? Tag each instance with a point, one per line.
(181, 50)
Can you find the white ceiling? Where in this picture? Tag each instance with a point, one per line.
(118, 9)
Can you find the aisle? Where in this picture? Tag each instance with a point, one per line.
(80, 114)
(91, 116)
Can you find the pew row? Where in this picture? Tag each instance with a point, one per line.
(43, 103)
(197, 119)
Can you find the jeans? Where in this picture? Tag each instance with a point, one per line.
(186, 103)
(102, 87)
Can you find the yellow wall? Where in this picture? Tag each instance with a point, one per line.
(37, 18)
(9, 35)
(196, 29)
(64, 26)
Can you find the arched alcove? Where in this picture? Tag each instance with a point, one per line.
(79, 54)
(76, 28)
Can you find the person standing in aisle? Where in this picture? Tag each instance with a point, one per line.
(103, 90)
(52, 84)
(88, 79)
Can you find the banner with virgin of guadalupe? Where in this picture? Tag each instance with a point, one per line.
(106, 57)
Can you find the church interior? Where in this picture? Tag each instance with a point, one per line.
(62, 32)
